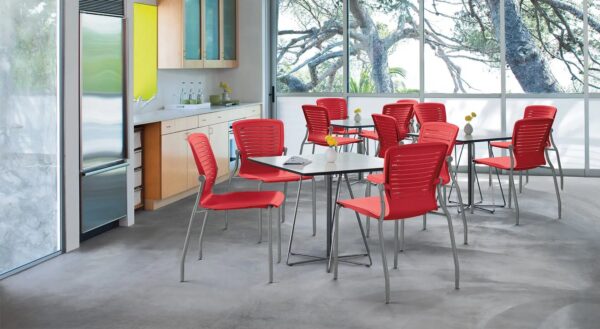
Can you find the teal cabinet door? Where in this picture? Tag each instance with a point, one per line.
(192, 40)
(230, 29)
(211, 30)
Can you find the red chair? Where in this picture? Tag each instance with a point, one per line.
(528, 150)
(337, 109)
(265, 137)
(207, 201)
(434, 132)
(413, 102)
(436, 112)
(411, 178)
(319, 126)
(537, 111)
(402, 112)
(429, 112)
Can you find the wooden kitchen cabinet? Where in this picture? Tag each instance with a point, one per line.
(170, 172)
(197, 34)
(174, 164)
(219, 140)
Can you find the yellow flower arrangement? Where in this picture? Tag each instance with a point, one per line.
(471, 116)
(358, 110)
(331, 141)
(225, 87)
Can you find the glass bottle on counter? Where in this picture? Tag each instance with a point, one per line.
(183, 97)
(200, 94)
(191, 97)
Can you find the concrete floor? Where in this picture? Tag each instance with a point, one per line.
(542, 274)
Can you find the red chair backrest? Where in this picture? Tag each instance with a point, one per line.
(540, 111)
(256, 138)
(205, 161)
(430, 112)
(386, 127)
(336, 107)
(411, 173)
(440, 132)
(317, 121)
(529, 141)
(407, 101)
(403, 113)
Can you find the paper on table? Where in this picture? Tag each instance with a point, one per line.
(297, 160)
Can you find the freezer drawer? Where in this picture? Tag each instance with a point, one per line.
(103, 197)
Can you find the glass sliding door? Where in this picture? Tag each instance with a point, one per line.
(30, 196)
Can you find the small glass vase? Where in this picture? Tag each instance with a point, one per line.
(331, 155)
(357, 117)
(468, 130)
(226, 97)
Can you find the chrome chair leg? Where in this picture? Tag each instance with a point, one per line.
(362, 231)
(555, 186)
(294, 222)
(314, 207)
(452, 242)
(384, 261)
(279, 214)
(425, 222)
(402, 236)
(368, 194)
(461, 206)
(313, 150)
(285, 186)
(260, 218)
(396, 245)
(560, 170)
(513, 189)
(336, 237)
(521, 182)
(270, 234)
(303, 141)
(489, 168)
(187, 240)
(201, 238)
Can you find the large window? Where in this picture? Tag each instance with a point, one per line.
(383, 46)
(504, 53)
(310, 52)
(29, 144)
(544, 46)
(462, 53)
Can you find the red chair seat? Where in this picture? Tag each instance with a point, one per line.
(376, 178)
(502, 163)
(501, 145)
(371, 207)
(273, 176)
(342, 131)
(370, 134)
(243, 200)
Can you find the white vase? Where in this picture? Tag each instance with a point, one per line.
(330, 155)
(468, 129)
(357, 117)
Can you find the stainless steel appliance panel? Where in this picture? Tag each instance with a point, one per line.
(103, 197)
(102, 91)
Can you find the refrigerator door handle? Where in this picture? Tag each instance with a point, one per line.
(103, 170)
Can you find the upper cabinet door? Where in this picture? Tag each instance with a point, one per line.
(192, 39)
(212, 35)
(230, 30)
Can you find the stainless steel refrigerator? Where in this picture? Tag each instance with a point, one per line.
(102, 114)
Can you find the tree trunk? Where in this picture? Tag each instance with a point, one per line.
(374, 47)
(522, 55)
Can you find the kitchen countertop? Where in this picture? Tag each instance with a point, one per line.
(146, 117)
